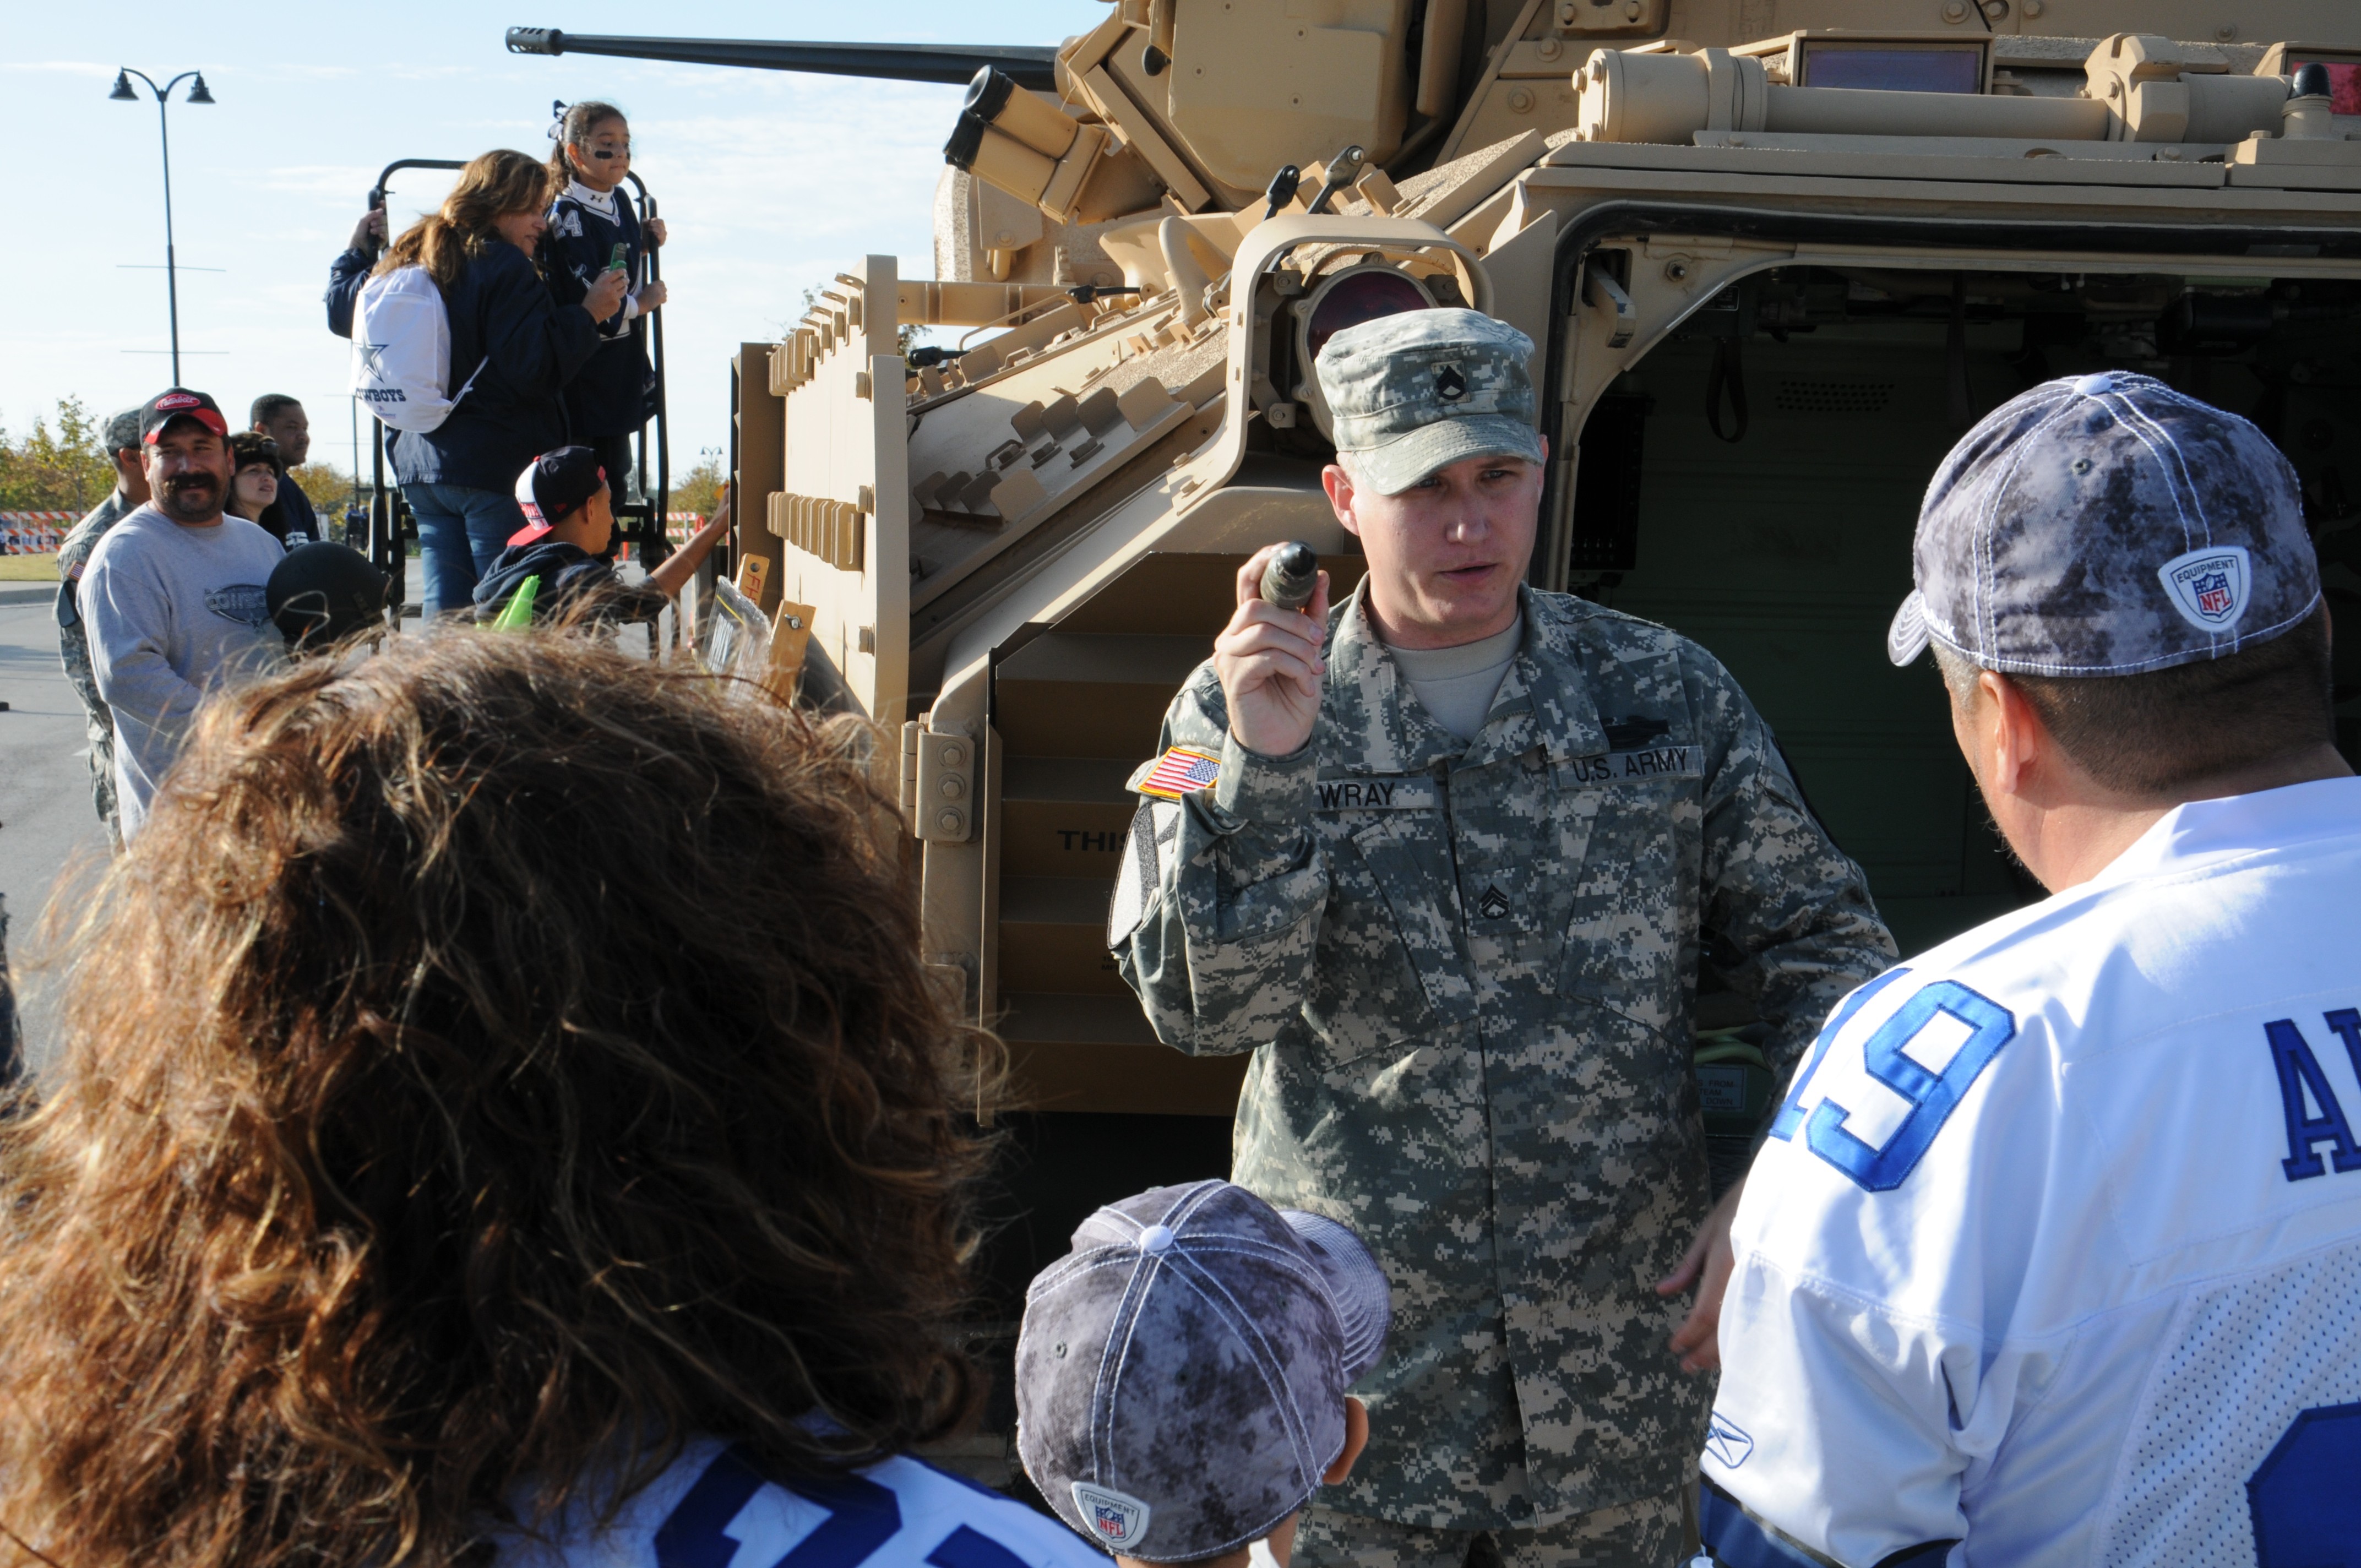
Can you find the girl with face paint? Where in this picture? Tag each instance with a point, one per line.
(589, 218)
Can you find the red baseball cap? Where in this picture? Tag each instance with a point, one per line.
(552, 487)
(178, 402)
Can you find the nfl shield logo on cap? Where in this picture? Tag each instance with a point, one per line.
(2208, 586)
(1116, 1519)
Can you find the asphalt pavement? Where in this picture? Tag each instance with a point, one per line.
(46, 821)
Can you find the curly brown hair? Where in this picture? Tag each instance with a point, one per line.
(492, 186)
(494, 1057)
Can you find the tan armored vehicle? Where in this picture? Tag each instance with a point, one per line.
(1774, 256)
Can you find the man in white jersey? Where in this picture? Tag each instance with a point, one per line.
(2054, 1253)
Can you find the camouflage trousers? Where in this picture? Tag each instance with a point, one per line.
(1653, 1532)
(102, 775)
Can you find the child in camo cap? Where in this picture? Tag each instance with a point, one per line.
(1182, 1374)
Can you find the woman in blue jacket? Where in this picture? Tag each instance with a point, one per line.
(519, 346)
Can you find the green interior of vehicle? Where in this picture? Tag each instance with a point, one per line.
(1785, 550)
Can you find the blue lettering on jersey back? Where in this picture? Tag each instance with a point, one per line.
(2301, 1498)
(2298, 1071)
(862, 1517)
(1736, 1538)
(1932, 1096)
(969, 1548)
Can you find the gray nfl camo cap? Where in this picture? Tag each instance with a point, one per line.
(1180, 1374)
(2104, 525)
(1414, 392)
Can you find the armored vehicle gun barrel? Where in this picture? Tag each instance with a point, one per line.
(1028, 66)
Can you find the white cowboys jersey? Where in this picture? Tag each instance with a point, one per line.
(2054, 1256)
(715, 1509)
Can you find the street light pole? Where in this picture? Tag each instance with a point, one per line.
(197, 95)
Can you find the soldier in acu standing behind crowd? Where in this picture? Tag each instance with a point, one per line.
(130, 494)
(1454, 871)
(589, 217)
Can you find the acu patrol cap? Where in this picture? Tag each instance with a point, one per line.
(1420, 390)
(1180, 1374)
(121, 431)
(2105, 525)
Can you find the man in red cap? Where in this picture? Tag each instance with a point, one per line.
(174, 595)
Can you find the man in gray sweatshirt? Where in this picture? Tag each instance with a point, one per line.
(173, 596)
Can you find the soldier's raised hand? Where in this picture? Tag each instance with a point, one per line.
(1269, 663)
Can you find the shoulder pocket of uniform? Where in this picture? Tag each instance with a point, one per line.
(1147, 854)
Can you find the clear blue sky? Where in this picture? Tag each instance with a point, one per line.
(770, 182)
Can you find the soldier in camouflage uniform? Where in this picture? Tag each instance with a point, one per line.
(122, 435)
(1469, 962)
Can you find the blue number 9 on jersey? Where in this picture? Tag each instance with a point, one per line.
(1933, 1096)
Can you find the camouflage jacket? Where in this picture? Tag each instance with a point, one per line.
(73, 640)
(1469, 971)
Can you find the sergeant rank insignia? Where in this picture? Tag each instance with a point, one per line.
(1183, 771)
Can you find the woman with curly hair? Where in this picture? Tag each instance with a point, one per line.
(436, 1173)
(514, 349)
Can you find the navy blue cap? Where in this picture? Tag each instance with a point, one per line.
(554, 485)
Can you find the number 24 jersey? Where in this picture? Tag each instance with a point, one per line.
(2054, 1254)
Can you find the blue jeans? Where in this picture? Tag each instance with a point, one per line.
(460, 531)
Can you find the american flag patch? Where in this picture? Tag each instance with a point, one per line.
(1180, 771)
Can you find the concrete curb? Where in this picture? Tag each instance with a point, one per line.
(27, 593)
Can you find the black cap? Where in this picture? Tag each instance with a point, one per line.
(554, 485)
(178, 402)
(321, 593)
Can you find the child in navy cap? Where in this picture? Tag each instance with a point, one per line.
(1182, 1374)
(569, 524)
